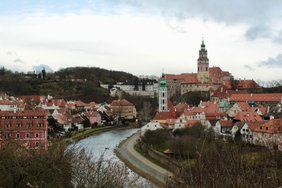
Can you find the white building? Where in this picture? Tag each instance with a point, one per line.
(6, 105)
(152, 126)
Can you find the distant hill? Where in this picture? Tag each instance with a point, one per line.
(95, 74)
(69, 83)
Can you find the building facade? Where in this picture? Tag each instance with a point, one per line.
(27, 128)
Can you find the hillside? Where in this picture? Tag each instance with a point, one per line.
(70, 83)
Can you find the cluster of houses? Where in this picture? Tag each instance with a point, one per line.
(30, 120)
(255, 118)
(232, 112)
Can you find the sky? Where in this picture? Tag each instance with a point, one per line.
(143, 37)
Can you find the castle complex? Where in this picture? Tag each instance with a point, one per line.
(206, 79)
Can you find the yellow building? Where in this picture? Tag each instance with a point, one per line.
(123, 109)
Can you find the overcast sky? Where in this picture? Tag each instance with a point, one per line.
(143, 37)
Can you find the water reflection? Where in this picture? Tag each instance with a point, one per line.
(105, 142)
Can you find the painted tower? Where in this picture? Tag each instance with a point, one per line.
(203, 64)
(163, 107)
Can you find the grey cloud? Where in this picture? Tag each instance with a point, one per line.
(272, 62)
(11, 53)
(18, 61)
(258, 31)
(249, 67)
(257, 11)
(278, 38)
(251, 12)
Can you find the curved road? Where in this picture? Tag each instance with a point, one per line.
(149, 169)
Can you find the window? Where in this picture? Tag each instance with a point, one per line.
(29, 125)
(39, 124)
(266, 128)
(18, 136)
(27, 135)
(36, 135)
(8, 125)
(36, 144)
(18, 125)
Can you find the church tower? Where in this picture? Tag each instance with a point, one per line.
(203, 64)
(163, 106)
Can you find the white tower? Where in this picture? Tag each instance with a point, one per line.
(163, 107)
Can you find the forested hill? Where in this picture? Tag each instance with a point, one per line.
(69, 83)
(95, 74)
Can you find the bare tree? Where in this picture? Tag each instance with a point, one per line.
(100, 173)
(146, 110)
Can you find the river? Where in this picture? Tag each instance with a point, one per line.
(105, 143)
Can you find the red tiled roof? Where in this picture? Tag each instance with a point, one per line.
(37, 112)
(245, 84)
(262, 109)
(271, 126)
(215, 72)
(184, 77)
(226, 123)
(92, 114)
(225, 73)
(60, 102)
(164, 115)
(221, 92)
(227, 83)
(257, 97)
(247, 116)
(80, 104)
(181, 107)
(7, 102)
(244, 106)
(122, 102)
(192, 122)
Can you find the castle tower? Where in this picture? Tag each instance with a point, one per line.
(203, 64)
(163, 107)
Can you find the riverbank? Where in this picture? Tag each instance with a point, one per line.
(140, 164)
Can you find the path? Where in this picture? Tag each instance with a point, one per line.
(139, 162)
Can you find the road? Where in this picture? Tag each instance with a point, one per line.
(142, 165)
